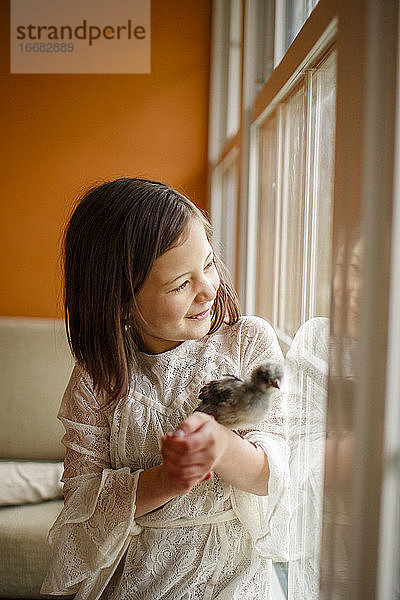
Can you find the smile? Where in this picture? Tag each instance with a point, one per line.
(200, 316)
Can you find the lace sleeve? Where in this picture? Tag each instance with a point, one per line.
(99, 502)
(267, 517)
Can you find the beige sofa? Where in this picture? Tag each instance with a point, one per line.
(35, 367)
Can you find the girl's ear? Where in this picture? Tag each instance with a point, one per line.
(135, 322)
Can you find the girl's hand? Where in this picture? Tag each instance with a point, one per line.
(190, 458)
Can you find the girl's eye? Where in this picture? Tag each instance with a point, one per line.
(181, 287)
(210, 264)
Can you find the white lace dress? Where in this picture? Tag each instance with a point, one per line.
(214, 542)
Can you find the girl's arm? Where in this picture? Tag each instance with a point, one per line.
(205, 447)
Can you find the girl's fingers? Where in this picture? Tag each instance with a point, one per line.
(186, 459)
(188, 475)
(189, 465)
(194, 422)
(191, 458)
(203, 458)
(201, 438)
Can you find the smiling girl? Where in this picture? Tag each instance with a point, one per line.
(151, 318)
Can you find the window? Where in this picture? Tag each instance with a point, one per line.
(279, 22)
(295, 143)
(288, 210)
(311, 184)
(224, 208)
(295, 193)
(226, 69)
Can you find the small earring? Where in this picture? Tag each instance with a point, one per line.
(127, 326)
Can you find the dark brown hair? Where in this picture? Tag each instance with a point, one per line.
(116, 232)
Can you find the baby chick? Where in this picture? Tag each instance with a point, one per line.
(236, 402)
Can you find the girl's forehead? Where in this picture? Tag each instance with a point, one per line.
(193, 228)
(190, 250)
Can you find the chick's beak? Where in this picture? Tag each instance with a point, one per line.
(275, 384)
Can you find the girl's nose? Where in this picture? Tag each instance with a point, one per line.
(207, 291)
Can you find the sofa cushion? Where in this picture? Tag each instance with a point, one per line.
(35, 367)
(24, 552)
(24, 482)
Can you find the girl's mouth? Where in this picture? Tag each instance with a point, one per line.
(200, 316)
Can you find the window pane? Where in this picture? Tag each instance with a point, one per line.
(229, 209)
(295, 178)
(281, 215)
(234, 68)
(290, 16)
(296, 14)
(323, 117)
(307, 357)
(293, 206)
(266, 41)
(306, 379)
(224, 209)
(266, 273)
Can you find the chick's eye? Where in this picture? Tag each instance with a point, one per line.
(181, 287)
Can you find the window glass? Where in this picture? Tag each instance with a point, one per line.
(234, 68)
(289, 17)
(292, 215)
(226, 75)
(296, 14)
(229, 201)
(268, 215)
(265, 47)
(295, 184)
(224, 209)
(323, 116)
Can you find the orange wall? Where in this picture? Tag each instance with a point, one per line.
(61, 133)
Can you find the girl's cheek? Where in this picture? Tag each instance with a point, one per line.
(170, 310)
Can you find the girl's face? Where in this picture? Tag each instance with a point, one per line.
(176, 298)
